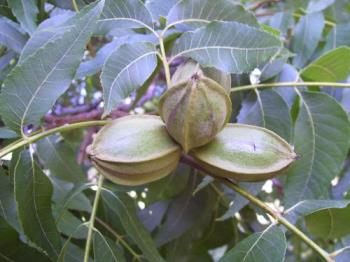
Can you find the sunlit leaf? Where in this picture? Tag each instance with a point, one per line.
(331, 67)
(125, 70)
(197, 13)
(228, 46)
(46, 74)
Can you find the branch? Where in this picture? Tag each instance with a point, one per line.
(275, 214)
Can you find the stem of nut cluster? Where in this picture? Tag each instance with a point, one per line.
(31, 139)
(290, 84)
(276, 215)
(92, 219)
(165, 63)
(279, 218)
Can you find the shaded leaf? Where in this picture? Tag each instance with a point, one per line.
(69, 196)
(124, 208)
(67, 224)
(307, 34)
(6, 133)
(182, 214)
(260, 109)
(329, 223)
(269, 245)
(33, 192)
(152, 215)
(8, 206)
(289, 74)
(307, 207)
(232, 54)
(11, 35)
(198, 13)
(40, 80)
(321, 139)
(12, 249)
(126, 69)
(59, 158)
(25, 12)
(106, 250)
(330, 67)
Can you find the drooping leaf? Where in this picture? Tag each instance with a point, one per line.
(288, 74)
(318, 5)
(321, 138)
(308, 33)
(25, 12)
(338, 36)
(124, 14)
(59, 158)
(198, 13)
(126, 69)
(331, 67)
(7, 202)
(12, 249)
(228, 46)
(267, 246)
(260, 110)
(124, 208)
(307, 207)
(11, 35)
(329, 223)
(33, 192)
(39, 80)
(92, 66)
(106, 250)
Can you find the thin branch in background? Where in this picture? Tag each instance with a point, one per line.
(88, 137)
(262, 4)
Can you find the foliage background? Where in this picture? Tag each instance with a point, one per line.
(47, 188)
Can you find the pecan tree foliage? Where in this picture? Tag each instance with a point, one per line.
(178, 130)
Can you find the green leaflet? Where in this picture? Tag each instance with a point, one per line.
(33, 192)
(39, 80)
